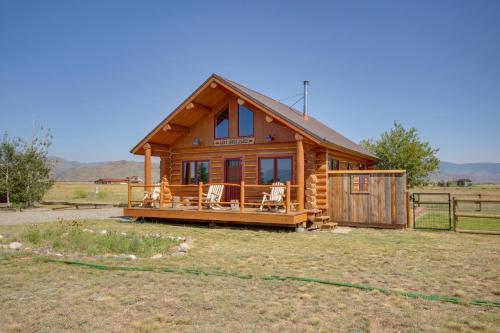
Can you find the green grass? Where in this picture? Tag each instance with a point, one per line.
(439, 220)
(69, 238)
(433, 220)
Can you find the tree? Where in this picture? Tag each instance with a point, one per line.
(25, 169)
(402, 149)
(8, 150)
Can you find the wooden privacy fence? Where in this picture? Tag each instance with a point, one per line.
(368, 198)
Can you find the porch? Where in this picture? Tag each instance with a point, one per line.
(185, 203)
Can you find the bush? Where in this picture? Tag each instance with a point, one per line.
(81, 194)
(32, 236)
(102, 194)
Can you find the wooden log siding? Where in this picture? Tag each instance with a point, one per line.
(383, 206)
(250, 161)
(321, 171)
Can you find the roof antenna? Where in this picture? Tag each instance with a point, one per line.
(306, 117)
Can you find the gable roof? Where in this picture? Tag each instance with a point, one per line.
(312, 127)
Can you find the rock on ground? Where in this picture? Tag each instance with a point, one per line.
(15, 246)
(183, 247)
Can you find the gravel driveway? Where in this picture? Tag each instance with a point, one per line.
(47, 215)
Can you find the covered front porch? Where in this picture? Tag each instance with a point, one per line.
(187, 203)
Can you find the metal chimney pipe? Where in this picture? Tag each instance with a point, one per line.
(306, 84)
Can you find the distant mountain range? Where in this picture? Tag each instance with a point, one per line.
(78, 171)
(64, 170)
(477, 172)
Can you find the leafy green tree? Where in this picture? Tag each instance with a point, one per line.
(25, 169)
(402, 149)
(8, 150)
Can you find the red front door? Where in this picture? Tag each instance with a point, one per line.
(232, 174)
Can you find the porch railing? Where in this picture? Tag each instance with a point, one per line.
(243, 201)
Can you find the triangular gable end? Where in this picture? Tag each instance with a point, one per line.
(195, 111)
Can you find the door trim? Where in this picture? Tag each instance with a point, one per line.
(240, 159)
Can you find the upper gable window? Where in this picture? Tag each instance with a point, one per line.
(222, 124)
(245, 120)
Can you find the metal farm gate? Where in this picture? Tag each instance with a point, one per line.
(431, 210)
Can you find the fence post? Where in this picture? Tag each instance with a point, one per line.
(408, 219)
(129, 191)
(200, 194)
(287, 197)
(242, 196)
(480, 207)
(455, 214)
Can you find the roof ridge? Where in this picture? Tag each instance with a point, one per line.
(314, 126)
(255, 91)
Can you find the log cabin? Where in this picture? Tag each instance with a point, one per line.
(225, 133)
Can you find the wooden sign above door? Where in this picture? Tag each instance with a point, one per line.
(236, 141)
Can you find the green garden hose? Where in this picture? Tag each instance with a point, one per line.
(410, 294)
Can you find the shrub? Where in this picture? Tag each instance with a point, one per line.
(80, 194)
(32, 236)
(102, 194)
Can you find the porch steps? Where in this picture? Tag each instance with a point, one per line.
(320, 221)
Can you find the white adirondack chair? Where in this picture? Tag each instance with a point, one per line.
(152, 197)
(212, 198)
(275, 198)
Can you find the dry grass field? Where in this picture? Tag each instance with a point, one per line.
(48, 297)
(78, 192)
(488, 190)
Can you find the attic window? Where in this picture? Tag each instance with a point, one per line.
(245, 121)
(222, 124)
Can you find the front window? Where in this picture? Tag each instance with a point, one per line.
(275, 169)
(222, 124)
(245, 120)
(194, 172)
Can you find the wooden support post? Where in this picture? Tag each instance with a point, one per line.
(300, 172)
(242, 196)
(161, 194)
(455, 217)
(200, 194)
(287, 197)
(147, 166)
(129, 204)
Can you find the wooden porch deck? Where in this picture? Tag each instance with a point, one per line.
(250, 216)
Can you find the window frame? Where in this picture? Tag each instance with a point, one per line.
(275, 168)
(330, 159)
(361, 190)
(253, 122)
(223, 109)
(195, 171)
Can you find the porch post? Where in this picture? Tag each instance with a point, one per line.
(300, 172)
(147, 166)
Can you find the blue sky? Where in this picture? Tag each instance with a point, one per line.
(102, 74)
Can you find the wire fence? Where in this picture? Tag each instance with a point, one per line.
(432, 211)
